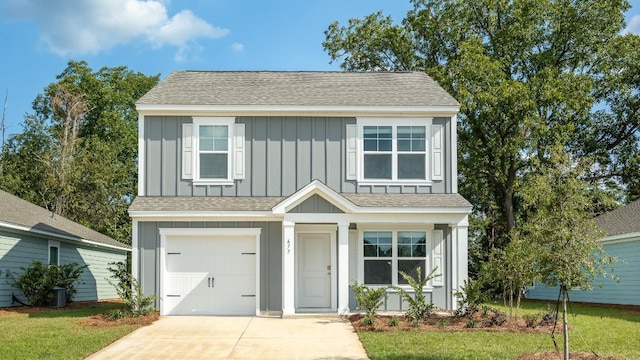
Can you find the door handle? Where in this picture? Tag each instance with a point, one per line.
(209, 282)
(212, 282)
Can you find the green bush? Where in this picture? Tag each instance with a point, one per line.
(369, 299)
(531, 320)
(418, 307)
(469, 298)
(38, 280)
(130, 291)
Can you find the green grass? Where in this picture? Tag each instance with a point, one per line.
(56, 334)
(606, 331)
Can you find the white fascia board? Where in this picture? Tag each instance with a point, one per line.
(381, 218)
(273, 110)
(389, 210)
(620, 238)
(203, 215)
(209, 231)
(60, 236)
(315, 187)
(141, 156)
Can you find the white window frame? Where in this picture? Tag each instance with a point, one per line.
(213, 121)
(53, 244)
(394, 123)
(394, 253)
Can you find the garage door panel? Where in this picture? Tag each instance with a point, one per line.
(210, 276)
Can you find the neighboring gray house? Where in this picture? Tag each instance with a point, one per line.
(271, 192)
(622, 227)
(29, 232)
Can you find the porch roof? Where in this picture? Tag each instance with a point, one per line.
(266, 203)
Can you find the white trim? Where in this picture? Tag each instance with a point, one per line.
(141, 156)
(187, 151)
(53, 244)
(438, 256)
(238, 155)
(135, 251)
(316, 187)
(351, 144)
(454, 153)
(318, 229)
(620, 238)
(241, 110)
(213, 232)
(343, 268)
(288, 268)
(385, 218)
(437, 152)
(60, 236)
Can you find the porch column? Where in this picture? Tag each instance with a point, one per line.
(288, 268)
(459, 256)
(343, 268)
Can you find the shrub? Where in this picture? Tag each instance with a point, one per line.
(137, 304)
(531, 320)
(369, 299)
(442, 323)
(116, 314)
(418, 307)
(496, 318)
(393, 321)
(471, 323)
(469, 298)
(550, 317)
(38, 280)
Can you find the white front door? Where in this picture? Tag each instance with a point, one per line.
(210, 275)
(314, 270)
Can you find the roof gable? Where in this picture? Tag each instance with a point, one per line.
(316, 187)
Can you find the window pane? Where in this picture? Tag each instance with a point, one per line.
(370, 132)
(377, 244)
(370, 145)
(417, 145)
(213, 166)
(377, 138)
(384, 145)
(412, 243)
(410, 267)
(377, 166)
(53, 255)
(206, 137)
(404, 145)
(404, 250)
(410, 166)
(220, 132)
(377, 272)
(404, 132)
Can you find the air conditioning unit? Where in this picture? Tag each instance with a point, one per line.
(59, 298)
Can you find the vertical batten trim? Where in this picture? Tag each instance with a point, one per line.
(454, 154)
(142, 168)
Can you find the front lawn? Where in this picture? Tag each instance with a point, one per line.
(56, 333)
(606, 331)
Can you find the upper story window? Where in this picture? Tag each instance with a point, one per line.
(213, 150)
(403, 151)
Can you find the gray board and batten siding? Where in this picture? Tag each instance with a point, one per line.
(283, 154)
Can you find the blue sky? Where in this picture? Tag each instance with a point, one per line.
(159, 36)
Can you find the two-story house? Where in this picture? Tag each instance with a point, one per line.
(271, 192)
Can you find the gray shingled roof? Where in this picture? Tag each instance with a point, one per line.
(408, 200)
(297, 88)
(623, 220)
(267, 203)
(16, 211)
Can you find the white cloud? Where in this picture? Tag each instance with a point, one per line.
(75, 27)
(237, 47)
(633, 26)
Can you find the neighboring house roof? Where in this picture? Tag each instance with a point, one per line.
(623, 220)
(23, 215)
(267, 203)
(298, 88)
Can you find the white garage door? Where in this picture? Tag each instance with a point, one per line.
(209, 275)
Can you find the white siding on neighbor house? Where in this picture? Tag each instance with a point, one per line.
(627, 292)
(18, 250)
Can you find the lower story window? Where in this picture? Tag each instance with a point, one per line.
(386, 253)
(54, 253)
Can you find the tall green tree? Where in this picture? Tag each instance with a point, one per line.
(77, 152)
(528, 74)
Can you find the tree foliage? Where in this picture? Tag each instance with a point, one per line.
(528, 74)
(76, 154)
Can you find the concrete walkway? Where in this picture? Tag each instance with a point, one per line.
(215, 337)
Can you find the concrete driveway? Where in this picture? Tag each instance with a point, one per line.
(215, 337)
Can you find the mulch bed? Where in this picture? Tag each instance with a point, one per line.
(438, 322)
(102, 320)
